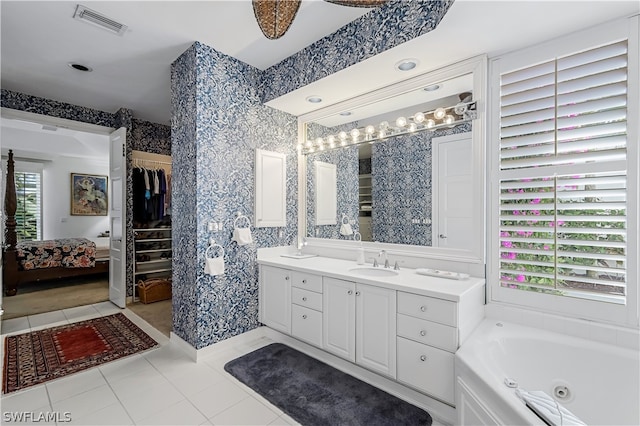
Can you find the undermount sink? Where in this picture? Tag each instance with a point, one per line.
(371, 271)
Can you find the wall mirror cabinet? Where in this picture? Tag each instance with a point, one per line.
(409, 164)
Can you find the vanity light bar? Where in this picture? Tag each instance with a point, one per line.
(443, 117)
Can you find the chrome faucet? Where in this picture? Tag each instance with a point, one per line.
(383, 258)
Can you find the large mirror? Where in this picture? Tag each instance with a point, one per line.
(409, 165)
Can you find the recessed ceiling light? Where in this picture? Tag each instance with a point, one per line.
(432, 88)
(314, 99)
(80, 67)
(407, 64)
(345, 113)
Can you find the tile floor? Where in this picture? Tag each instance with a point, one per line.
(159, 387)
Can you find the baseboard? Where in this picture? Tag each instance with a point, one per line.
(196, 354)
(441, 412)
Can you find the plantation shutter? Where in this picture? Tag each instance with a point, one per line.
(29, 207)
(563, 185)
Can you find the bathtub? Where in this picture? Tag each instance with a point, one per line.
(596, 382)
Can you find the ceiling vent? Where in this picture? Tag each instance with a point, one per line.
(85, 14)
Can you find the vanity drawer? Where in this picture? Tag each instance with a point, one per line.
(306, 281)
(306, 298)
(427, 369)
(306, 324)
(430, 333)
(429, 308)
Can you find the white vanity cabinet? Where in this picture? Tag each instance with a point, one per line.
(359, 324)
(306, 307)
(429, 333)
(275, 298)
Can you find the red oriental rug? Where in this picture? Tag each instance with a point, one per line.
(39, 356)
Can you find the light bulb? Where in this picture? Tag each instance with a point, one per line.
(384, 125)
(418, 117)
(319, 141)
(369, 129)
(331, 140)
(430, 123)
(342, 135)
(401, 122)
(308, 143)
(413, 127)
(448, 119)
(460, 108)
(382, 134)
(439, 113)
(343, 142)
(355, 133)
(321, 147)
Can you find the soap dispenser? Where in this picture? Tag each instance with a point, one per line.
(360, 257)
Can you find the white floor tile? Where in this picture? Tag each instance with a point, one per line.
(249, 411)
(75, 384)
(219, 359)
(166, 356)
(192, 378)
(48, 319)
(107, 308)
(15, 326)
(144, 404)
(26, 400)
(138, 383)
(217, 398)
(182, 413)
(284, 420)
(87, 402)
(111, 415)
(80, 313)
(116, 370)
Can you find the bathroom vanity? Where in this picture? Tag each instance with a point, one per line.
(399, 324)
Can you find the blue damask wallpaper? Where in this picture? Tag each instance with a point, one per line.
(218, 122)
(375, 32)
(401, 181)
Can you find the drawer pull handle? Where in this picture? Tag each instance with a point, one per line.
(357, 293)
(304, 299)
(423, 357)
(423, 333)
(304, 316)
(304, 281)
(423, 308)
(286, 278)
(350, 292)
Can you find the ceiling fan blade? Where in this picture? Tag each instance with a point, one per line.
(275, 16)
(358, 3)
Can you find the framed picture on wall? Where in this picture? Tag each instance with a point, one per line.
(89, 195)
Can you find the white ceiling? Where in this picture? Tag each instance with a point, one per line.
(39, 39)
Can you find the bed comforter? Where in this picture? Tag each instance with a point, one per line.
(65, 253)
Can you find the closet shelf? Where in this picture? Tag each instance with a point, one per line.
(154, 250)
(152, 240)
(152, 271)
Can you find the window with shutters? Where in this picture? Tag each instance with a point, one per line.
(29, 205)
(563, 188)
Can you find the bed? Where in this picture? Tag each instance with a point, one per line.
(35, 261)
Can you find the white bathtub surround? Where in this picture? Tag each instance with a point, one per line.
(400, 325)
(604, 333)
(597, 382)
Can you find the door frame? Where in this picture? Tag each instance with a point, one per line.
(14, 114)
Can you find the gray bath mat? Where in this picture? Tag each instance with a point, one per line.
(314, 393)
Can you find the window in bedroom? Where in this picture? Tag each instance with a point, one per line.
(29, 205)
(566, 182)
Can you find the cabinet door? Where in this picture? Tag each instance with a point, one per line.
(376, 329)
(338, 317)
(275, 298)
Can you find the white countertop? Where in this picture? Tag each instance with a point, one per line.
(406, 280)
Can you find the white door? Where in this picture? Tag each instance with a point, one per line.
(338, 318)
(275, 298)
(376, 329)
(117, 216)
(452, 191)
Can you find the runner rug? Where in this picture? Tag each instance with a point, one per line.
(39, 356)
(314, 393)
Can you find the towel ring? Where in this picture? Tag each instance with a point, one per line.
(357, 236)
(214, 246)
(240, 217)
(345, 217)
